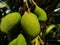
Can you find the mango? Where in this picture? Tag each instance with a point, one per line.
(30, 24)
(13, 42)
(9, 21)
(21, 40)
(41, 14)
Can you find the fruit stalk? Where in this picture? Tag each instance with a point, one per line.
(34, 3)
(38, 40)
(26, 3)
(41, 41)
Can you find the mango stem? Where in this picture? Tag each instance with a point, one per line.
(34, 42)
(41, 41)
(26, 3)
(34, 3)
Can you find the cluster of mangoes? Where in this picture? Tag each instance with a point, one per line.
(29, 22)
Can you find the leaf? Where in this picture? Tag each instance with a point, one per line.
(49, 28)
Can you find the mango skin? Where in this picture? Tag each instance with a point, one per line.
(41, 14)
(13, 42)
(9, 21)
(21, 40)
(30, 24)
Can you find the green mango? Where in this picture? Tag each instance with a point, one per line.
(21, 40)
(9, 21)
(13, 42)
(30, 24)
(41, 14)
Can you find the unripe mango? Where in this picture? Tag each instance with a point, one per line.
(41, 14)
(30, 24)
(21, 40)
(9, 21)
(13, 42)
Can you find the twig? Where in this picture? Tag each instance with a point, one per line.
(34, 3)
(26, 3)
(41, 41)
